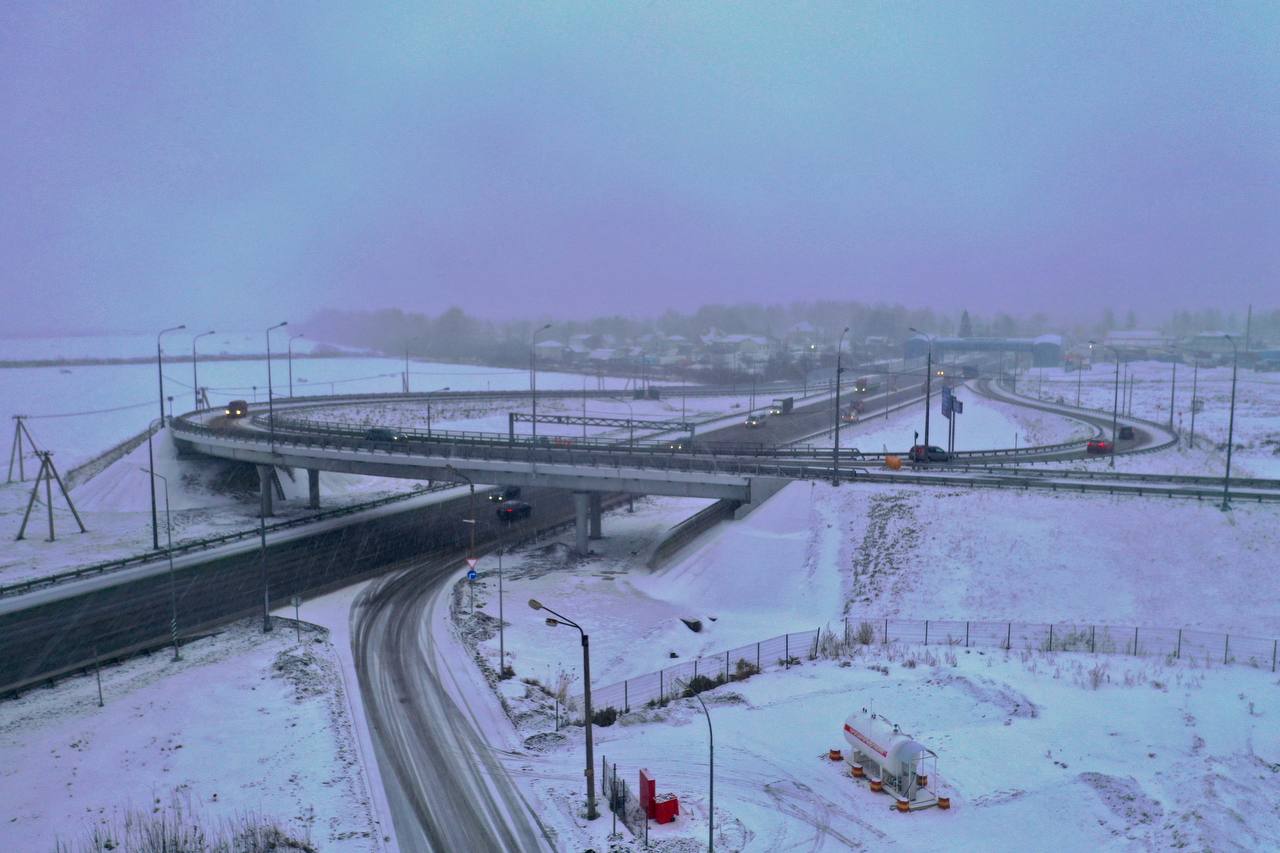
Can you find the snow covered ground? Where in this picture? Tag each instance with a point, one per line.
(1157, 754)
(245, 723)
(985, 425)
(1257, 426)
(80, 411)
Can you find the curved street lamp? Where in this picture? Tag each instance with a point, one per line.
(835, 449)
(195, 382)
(928, 384)
(271, 410)
(1231, 424)
(292, 338)
(592, 814)
(173, 593)
(159, 364)
(533, 375)
(155, 533)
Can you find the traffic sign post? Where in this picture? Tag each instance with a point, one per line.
(296, 601)
(471, 581)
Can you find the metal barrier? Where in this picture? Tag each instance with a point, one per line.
(786, 650)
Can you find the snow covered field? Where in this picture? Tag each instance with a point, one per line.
(985, 425)
(1257, 427)
(1104, 751)
(245, 723)
(80, 411)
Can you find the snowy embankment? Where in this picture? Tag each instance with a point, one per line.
(246, 723)
(1257, 424)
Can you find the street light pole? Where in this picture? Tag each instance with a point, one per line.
(1231, 424)
(271, 410)
(173, 594)
(155, 533)
(711, 780)
(928, 385)
(195, 382)
(835, 450)
(292, 338)
(592, 814)
(1115, 408)
(1195, 381)
(533, 375)
(429, 393)
(1173, 388)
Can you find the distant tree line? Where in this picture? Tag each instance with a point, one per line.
(455, 335)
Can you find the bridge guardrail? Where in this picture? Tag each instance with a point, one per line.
(192, 546)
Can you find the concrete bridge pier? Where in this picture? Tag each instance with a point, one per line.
(313, 488)
(581, 506)
(597, 500)
(266, 482)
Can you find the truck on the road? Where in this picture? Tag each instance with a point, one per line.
(782, 406)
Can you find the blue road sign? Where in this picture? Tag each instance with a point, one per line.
(471, 575)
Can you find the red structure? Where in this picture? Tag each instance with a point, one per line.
(662, 808)
(647, 788)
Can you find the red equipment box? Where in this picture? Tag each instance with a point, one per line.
(666, 807)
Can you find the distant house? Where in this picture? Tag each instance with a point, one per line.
(549, 350)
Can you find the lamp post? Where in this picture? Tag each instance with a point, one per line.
(173, 594)
(429, 393)
(1080, 373)
(1115, 408)
(195, 382)
(160, 367)
(1231, 424)
(592, 814)
(928, 385)
(155, 533)
(292, 338)
(835, 450)
(711, 780)
(1195, 402)
(1173, 388)
(533, 375)
(471, 508)
(271, 412)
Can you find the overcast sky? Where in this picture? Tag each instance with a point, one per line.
(237, 163)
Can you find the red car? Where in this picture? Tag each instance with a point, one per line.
(1098, 445)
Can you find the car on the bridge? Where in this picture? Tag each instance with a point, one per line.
(921, 453)
(384, 434)
(514, 510)
(1097, 445)
(236, 409)
(850, 415)
(753, 421)
(504, 494)
(1126, 432)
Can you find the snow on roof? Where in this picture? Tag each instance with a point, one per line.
(548, 345)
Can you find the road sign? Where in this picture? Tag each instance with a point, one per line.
(471, 562)
(957, 406)
(471, 575)
(296, 601)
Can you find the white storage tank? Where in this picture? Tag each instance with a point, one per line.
(901, 763)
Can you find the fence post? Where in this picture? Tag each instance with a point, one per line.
(1274, 643)
(1092, 632)
(626, 700)
(786, 655)
(1177, 653)
(1135, 641)
(1008, 636)
(966, 635)
(1050, 636)
(1226, 649)
(757, 657)
(886, 632)
(661, 688)
(726, 666)
(846, 630)
(695, 667)
(926, 632)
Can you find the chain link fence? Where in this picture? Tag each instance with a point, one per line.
(623, 802)
(786, 650)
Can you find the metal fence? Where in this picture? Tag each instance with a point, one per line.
(785, 650)
(623, 802)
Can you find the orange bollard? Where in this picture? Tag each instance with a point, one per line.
(835, 755)
(858, 772)
(877, 785)
(904, 806)
(944, 802)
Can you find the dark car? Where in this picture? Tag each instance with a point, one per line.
(383, 434)
(920, 453)
(504, 494)
(753, 422)
(514, 510)
(236, 409)
(1097, 445)
(1126, 432)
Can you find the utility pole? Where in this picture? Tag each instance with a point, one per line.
(195, 381)
(1195, 402)
(1231, 425)
(835, 452)
(533, 376)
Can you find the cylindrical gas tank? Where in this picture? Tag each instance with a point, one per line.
(882, 741)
